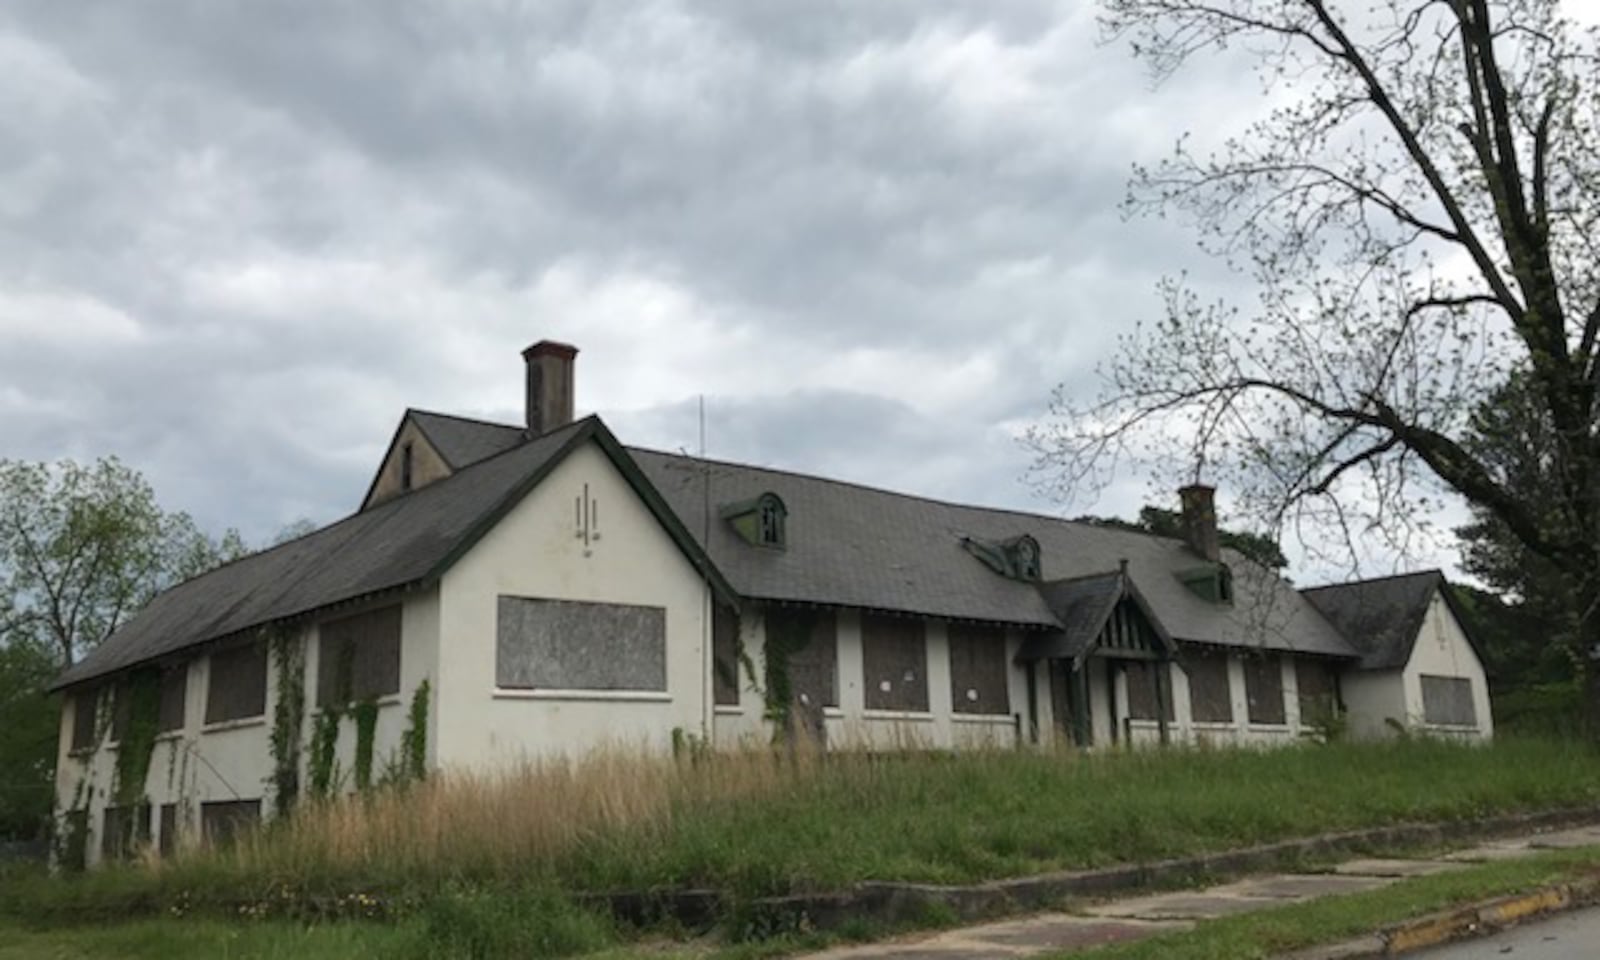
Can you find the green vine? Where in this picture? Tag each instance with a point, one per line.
(414, 741)
(324, 752)
(142, 689)
(288, 717)
(365, 714)
(786, 636)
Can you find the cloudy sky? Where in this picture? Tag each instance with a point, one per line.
(237, 240)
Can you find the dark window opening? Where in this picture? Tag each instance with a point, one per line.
(237, 686)
(405, 466)
(85, 705)
(1224, 584)
(174, 692)
(1263, 687)
(224, 821)
(168, 841)
(979, 671)
(894, 662)
(725, 656)
(1210, 696)
(1317, 690)
(811, 638)
(123, 830)
(358, 657)
(1141, 677)
(771, 522)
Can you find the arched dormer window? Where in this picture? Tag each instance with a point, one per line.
(1024, 552)
(761, 521)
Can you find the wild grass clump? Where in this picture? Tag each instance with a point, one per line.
(762, 823)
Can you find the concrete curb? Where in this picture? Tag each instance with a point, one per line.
(896, 904)
(1462, 923)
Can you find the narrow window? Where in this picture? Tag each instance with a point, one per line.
(1210, 698)
(405, 466)
(979, 673)
(84, 704)
(169, 829)
(771, 523)
(725, 656)
(1263, 687)
(174, 690)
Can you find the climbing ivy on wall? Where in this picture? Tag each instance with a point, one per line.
(142, 688)
(366, 717)
(288, 718)
(786, 636)
(414, 741)
(324, 772)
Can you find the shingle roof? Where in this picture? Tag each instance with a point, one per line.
(850, 545)
(462, 441)
(1380, 617)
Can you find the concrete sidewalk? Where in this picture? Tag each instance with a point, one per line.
(1146, 915)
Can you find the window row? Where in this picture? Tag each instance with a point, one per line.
(358, 658)
(1211, 691)
(124, 830)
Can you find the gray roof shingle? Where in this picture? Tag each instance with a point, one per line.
(461, 440)
(1380, 617)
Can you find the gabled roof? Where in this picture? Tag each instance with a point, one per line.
(462, 440)
(407, 541)
(855, 546)
(1083, 605)
(1382, 617)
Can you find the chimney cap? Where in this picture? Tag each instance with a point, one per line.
(1197, 487)
(549, 348)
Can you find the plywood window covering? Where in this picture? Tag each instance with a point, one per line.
(1141, 677)
(237, 685)
(174, 692)
(223, 820)
(725, 656)
(122, 830)
(568, 645)
(358, 657)
(1210, 699)
(1263, 688)
(169, 829)
(1447, 701)
(979, 675)
(1314, 680)
(894, 663)
(814, 667)
(84, 705)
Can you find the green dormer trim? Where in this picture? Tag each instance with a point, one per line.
(1017, 558)
(1211, 582)
(761, 521)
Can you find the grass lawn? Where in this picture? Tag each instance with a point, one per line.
(457, 857)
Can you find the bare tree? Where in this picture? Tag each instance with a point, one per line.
(1418, 208)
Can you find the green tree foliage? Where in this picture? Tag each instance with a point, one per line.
(27, 739)
(1417, 204)
(1169, 523)
(82, 548)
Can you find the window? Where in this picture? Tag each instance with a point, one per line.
(75, 840)
(568, 645)
(811, 638)
(222, 821)
(772, 517)
(1210, 697)
(979, 676)
(894, 662)
(1224, 583)
(1447, 702)
(1263, 688)
(1317, 690)
(123, 830)
(1142, 676)
(725, 656)
(174, 692)
(405, 465)
(84, 704)
(169, 829)
(237, 686)
(358, 657)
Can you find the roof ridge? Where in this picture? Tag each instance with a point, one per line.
(478, 420)
(1009, 511)
(1429, 572)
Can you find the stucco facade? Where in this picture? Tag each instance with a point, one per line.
(1383, 702)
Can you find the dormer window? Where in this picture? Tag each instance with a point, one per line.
(760, 521)
(1212, 582)
(1224, 584)
(1017, 558)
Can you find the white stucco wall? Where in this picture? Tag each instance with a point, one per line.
(534, 552)
(1442, 650)
(1371, 699)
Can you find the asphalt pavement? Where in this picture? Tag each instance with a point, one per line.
(1565, 936)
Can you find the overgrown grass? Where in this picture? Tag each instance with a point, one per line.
(761, 824)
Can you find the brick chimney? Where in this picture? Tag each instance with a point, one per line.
(1200, 520)
(549, 385)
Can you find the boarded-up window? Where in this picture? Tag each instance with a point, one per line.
(169, 829)
(75, 840)
(84, 705)
(237, 686)
(979, 675)
(1317, 690)
(174, 692)
(894, 663)
(222, 821)
(810, 639)
(725, 656)
(1210, 699)
(1447, 701)
(1263, 687)
(123, 830)
(358, 657)
(1142, 701)
(567, 645)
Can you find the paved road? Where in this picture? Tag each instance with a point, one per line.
(1567, 936)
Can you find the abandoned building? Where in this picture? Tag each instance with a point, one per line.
(507, 591)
